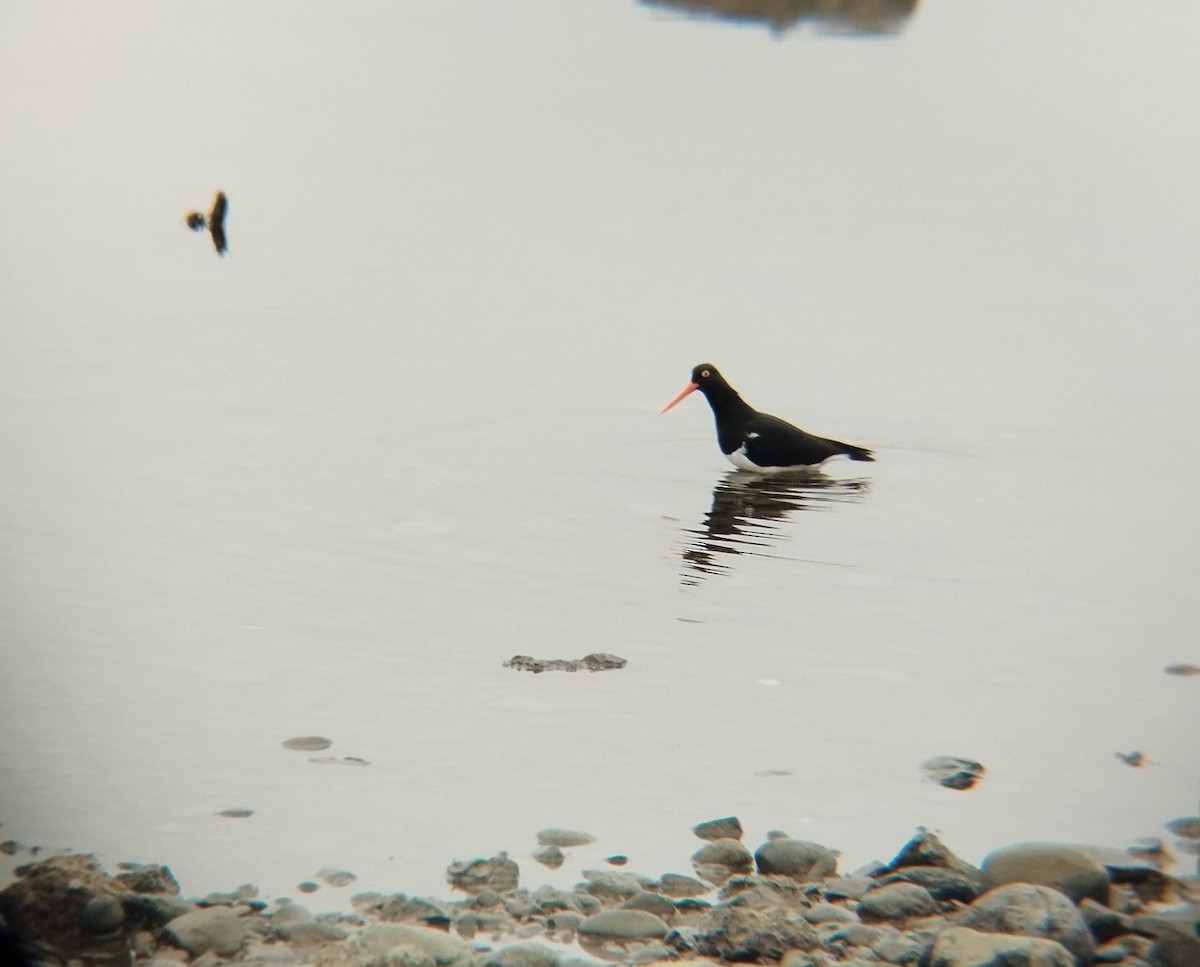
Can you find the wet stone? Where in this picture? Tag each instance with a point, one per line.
(942, 883)
(564, 838)
(729, 827)
(624, 925)
(611, 885)
(523, 955)
(216, 929)
(897, 901)
(739, 934)
(550, 857)
(961, 947)
(677, 885)
(828, 913)
(953, 772)
(796, 858)
(498, 873)
(1063, 868)
(308, 743)
(102, 914)
(1029, 910)
(660, 906)
(726, 853)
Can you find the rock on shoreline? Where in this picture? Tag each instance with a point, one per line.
(1027, 905)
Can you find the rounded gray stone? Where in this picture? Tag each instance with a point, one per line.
(407, 945)
(828, 913)
(796, 858)
(624, 925)
(523, 955)
(215, 929)
(897, 901)
(1063, 868)
(654, 903)
(1030, 910)
(962, 947)
(677, 885)
(564, 837)
(730, 827)
(728, 853)
(102, 914)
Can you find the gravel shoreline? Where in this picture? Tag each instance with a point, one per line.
(786, 902)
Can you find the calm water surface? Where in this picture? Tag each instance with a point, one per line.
(407, 428)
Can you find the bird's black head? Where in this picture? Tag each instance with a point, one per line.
(705, 375)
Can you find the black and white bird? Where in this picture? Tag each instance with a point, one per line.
(758, 441)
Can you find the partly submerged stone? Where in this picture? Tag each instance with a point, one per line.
(624, 925)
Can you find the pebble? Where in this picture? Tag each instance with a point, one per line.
(796, 858)
(565, 838)
(962, 947)
(624, 925)
(1030, 910)
(729, 827)
(215, 929)
(1063, 868)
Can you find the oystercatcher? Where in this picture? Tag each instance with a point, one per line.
(758, 441)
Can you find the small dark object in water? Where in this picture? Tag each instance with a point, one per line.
(596, 662)
(215, 222)
(1182, 669)
(1135, 759)
(240, 813)
(308, 743)
(953, 772)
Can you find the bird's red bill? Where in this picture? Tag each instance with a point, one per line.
(690, 388)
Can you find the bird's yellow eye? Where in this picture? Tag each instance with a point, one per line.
(705, 373)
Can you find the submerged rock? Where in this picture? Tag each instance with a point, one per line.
(597, 662)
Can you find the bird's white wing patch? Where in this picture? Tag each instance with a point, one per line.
(752, 435)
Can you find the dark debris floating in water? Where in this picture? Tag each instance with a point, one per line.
(952, 771)
(596, 662)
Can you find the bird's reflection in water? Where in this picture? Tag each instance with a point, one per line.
(747, 510)
(839, 16)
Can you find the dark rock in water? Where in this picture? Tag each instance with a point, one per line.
(953, 772)
(942, 883)
(598, 662)
(239, 812)
(677, 885)
(523, 955)
(216, 929)
(1185, 827)
(564, 837)
(308, 886)
(619, 859)
(155, 909)
(897, 901)
(498, 873)
(962, 947)
(1062, 868)
(550, 857)
(1029, 910)
(728, 828)
(796, 858)
(308, 743)
(336, 878)
(623, 925)
(1182, 669)
(742, 935)
(726, 853)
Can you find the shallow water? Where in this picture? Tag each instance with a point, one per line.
(407, 428)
